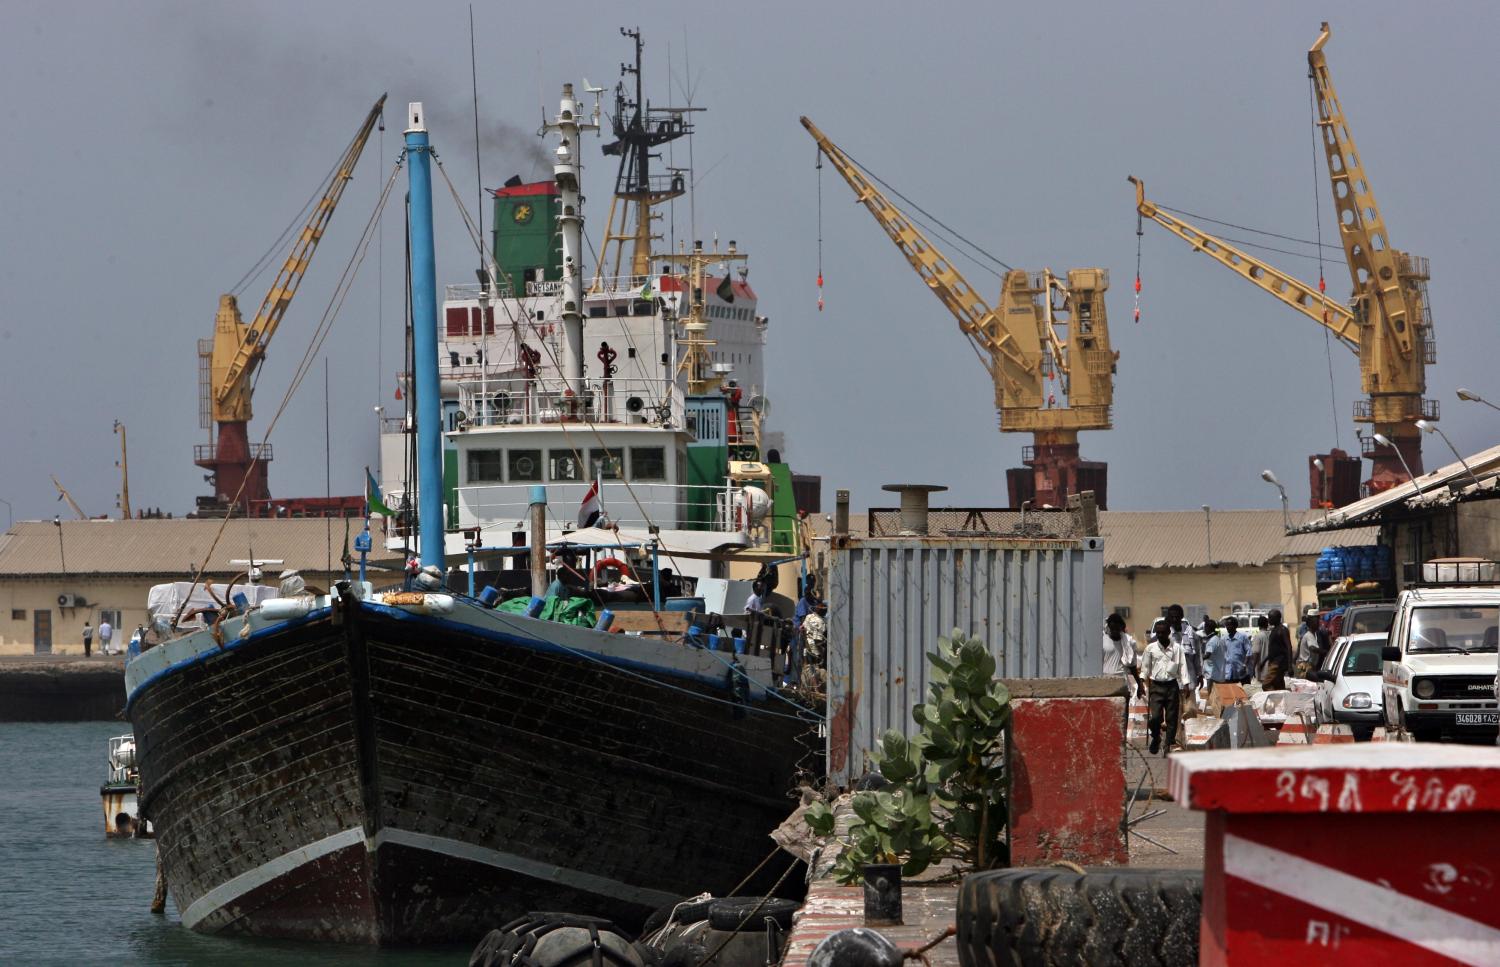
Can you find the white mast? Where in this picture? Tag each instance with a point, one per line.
(570, 225)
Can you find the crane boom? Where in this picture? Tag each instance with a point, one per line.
(1390, 286)
(238, 348)
(62, 494)
(1292, 291)
(1014, 356)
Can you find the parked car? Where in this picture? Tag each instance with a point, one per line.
(1368, 618)
(1440, 664)
(1349, 684)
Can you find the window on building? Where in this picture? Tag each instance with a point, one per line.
(18, 614)
(605, 464)
(524, 466)
(648, 463)
(485, 466)
(563, 465)
(112, 616)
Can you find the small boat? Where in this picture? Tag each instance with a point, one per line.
(120, 791)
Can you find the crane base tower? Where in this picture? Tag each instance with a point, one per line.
(1052, 473)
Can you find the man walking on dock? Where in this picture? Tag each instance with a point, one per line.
(1164, 669)
(88, 639)
(106, 632)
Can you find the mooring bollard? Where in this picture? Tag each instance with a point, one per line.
(1334, 854)
(882, 894)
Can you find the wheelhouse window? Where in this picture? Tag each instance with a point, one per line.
(564, 465)
(605, 464)
(648, 463)
(524, 466)
(485, 466)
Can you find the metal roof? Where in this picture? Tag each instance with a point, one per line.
(1438, 488)
(173, 547)
(1176, 538)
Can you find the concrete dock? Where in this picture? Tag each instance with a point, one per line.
(61, 688)
(930, 907)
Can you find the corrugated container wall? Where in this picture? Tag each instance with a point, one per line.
(1038, 605)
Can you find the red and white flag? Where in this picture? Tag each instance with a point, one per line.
(590, 510)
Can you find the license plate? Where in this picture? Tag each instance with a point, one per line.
(1476, 718)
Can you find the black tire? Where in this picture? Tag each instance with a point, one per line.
(748, 913)
(1058, 918)
(687, 912)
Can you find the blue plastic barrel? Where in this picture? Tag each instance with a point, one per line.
(684, 604)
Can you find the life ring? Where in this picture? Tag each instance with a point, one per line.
(605, 562)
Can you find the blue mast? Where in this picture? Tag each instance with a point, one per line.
(424, 341)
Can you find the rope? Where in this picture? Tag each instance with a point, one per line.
(650, 680)
(742, 673)
(920, 953)
(1312, 118)
(320, 334)
(712, 956)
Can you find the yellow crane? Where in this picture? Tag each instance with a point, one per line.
(1044, 328)
(1387, 321)
(227, 364)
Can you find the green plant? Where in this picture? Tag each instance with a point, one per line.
(947, 792)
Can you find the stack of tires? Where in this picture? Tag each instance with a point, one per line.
(556, 940)
(1055, 917)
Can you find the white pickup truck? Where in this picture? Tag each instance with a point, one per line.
(1439, 671)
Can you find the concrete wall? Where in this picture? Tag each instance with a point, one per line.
(1146, 591)
(127, 595)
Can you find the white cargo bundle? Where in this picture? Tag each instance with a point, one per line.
(166, 601)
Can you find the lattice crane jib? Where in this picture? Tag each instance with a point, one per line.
(1019, 342)
(1390, 286)
(238, 348)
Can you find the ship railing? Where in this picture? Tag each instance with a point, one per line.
(621, 285)
(473, 291)
(208, 452)
(542, 401)
(506, 506)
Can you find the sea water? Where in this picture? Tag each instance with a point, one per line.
(68, 895)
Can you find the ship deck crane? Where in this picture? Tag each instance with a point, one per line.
(1043, 328)
(1387, 321)
(227, 364)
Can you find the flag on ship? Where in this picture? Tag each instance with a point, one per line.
(591, 509)
(373, 503)
(725, 290)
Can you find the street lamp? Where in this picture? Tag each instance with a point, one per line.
(10, 514)
(57, 522)
(1427, 426)
(1270, 478)
(1208, 532)
(1473, 397)
(1385, 441)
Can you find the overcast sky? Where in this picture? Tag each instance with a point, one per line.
(155, 151)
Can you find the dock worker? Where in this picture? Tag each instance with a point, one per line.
(1164, 668)
(1313, 644)
(1276, 661)
(1120, 656)
(1258, 644)
(88, 639)
(1228, 655)
(1184, 635)
(106, 632)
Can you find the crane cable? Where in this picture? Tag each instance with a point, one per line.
(320, 335)
(1312, 115)
(818, 165)
(1140, 230)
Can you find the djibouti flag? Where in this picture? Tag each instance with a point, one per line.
(373, 503)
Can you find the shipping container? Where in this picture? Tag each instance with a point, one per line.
(1037, 604)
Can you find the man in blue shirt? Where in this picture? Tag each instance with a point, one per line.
(1228, 655)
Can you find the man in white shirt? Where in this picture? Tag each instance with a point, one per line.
(1164, 669)
(1120, 657)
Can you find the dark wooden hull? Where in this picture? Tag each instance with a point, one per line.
(377, 777)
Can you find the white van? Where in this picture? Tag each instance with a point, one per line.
(1439, 671)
